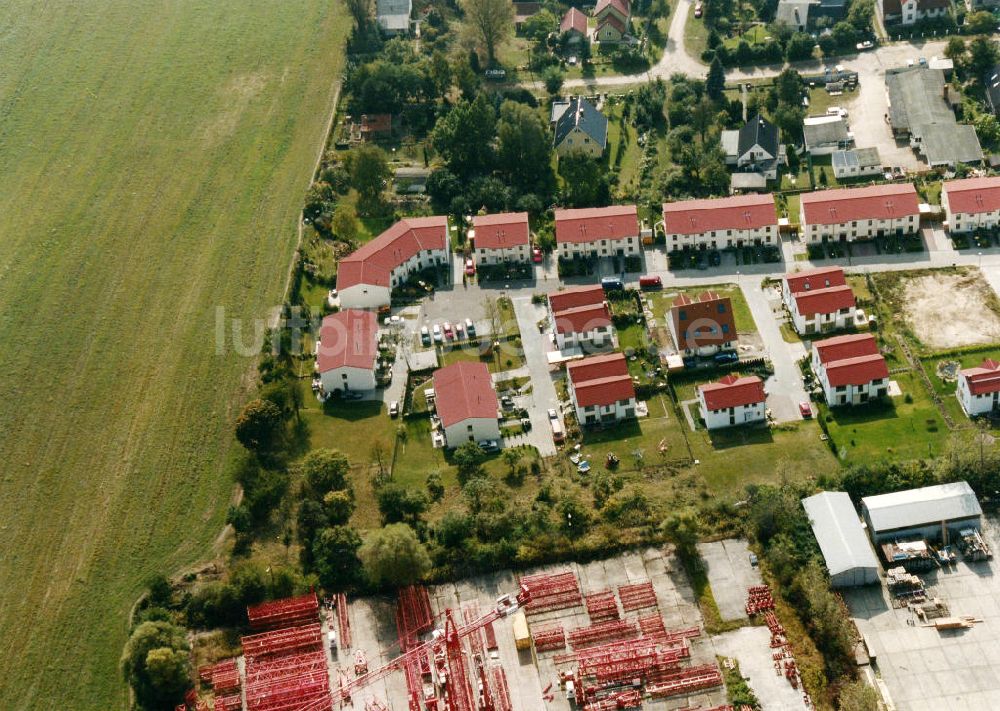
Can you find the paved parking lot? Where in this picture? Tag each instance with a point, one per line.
(927, 670)
(727, 564)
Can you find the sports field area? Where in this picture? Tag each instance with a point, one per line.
(153, 159)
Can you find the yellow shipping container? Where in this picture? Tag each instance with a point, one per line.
(522, 640)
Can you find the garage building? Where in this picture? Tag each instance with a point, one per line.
(849, 557)
(922, 513)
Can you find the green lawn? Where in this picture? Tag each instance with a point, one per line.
(901, 430)
(153, 160)
(741, 310)
(646, 434)
(946, 389)
(695, 34)
(507, 357)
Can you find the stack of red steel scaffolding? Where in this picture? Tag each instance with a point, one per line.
(602, 606)
(706, 676)
(637, 596)
(550, 638)
(343, 623)
(603, 632)
(228, 702)
(287, 682)
(759, 600)
(205, 674)
(276, 643)
(642, 662)
(225, 677)
(470, 613)
(552, 591)
(288, 612)
(413, 615)
(501, 693)
(776, 629)
(630, 699)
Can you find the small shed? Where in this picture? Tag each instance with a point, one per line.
(849, 557)
(931, 512)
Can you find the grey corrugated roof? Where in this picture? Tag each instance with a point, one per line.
(921, 507)
(950, 145)
(838, 530)
(829, 130)
(856, 158)
(581, 113)
(730, 141)
(758, 131)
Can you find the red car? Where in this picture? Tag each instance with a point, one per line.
(536, 255)
(805, 409)
(470, 267)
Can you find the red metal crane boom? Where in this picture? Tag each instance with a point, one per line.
(506, 605)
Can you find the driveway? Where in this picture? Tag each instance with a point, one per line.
(543, 389)
(784, 389)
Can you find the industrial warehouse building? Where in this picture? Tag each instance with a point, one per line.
(849, 557)
(922, 513)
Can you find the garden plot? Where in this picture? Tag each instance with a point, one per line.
(951, 310)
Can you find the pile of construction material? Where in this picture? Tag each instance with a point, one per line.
(602, 606)
(905, 587)
(912, 555)
(759, 600)
(552, 591)
(973, 546)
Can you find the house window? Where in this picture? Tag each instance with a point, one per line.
(468, 428)
(725, 328)
(722, 308)
(623, 403)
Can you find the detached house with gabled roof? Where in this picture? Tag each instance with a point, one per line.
(719, 223)
(754, 148)
(733, 401)
(818, 300)
(581, 127)
(851, 214)
(601, 389)
(466, 403)
(613, 18)
(702, 326)
(910, 12)
(979, 388)
(502, 238)
(367, 276)
(850, 369)
(971, 204)
(574, 24)
(347, 351)
(581, 318)
(598, 231)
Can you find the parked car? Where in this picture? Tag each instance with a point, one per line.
(459, 330)
(836, 111)
(470, 267)
(612, 284)
(922, 61)
(349, 395)
(438, 336)
(650, 282)
(470, 328)
(394, 408)
(490, 446)
(507, 402)
(448, 332)
(699, 10)
(536, 255)
(753, 560)
(805, 409)
(553, 415)
(867, 44)
(425, 336)
(715, 258)
(726, 357)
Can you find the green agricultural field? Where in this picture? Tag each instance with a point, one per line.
(153, 158)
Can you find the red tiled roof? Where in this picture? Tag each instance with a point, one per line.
(741, 212)
(621, 6)
(733, 391)
(348, 339)
(850, 346)
(583, 318)
(856, 371)
(612, 20)
(576, 296)
(574, 20)
(464, 390)
(598, 366)
(600, 380)
(984, 378)
(973, 195)
(877, 202)
(376, 123)
(700, 318)
(503, 231)
(824, 301)
(811, 279)
(591, 224)
(373, 262)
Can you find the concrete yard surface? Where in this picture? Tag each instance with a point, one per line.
(752, 647)
(727, 564)
(927, 670)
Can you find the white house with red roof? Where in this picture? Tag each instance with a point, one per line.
(818, 300)
(601, 389)
(502, 238)
(581, 318)
(466, 403)
(612, 20)
(971, 204)
(367, 276)
(574, 22)
(851, 214)
(702, 326)
(850, 369)
(347, 351)
(732, 401)
(724, 222)
(598, 231)
(979, 388)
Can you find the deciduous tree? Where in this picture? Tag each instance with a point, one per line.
(259, 426)
(464, 137)
(361, 12)
(491, 22)
(325, 470)
(335, 557)
(584, 182)
(370, 174)
(394, 556)
(524, 149)
(155, 664)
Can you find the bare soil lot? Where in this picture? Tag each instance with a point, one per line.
(950, 310)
